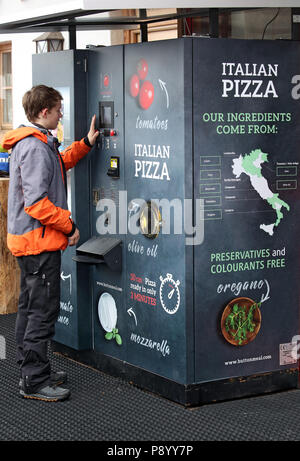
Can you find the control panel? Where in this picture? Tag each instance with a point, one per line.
(107, 118)
(108, 134)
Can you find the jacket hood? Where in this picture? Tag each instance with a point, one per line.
(11, 138)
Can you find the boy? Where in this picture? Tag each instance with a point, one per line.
(39, 227)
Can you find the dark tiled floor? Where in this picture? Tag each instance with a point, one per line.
(103, 408)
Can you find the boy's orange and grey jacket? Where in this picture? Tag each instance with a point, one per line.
(38, 219)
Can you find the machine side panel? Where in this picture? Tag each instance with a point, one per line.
(193, 227)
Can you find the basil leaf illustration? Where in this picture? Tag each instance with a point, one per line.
(118, 339)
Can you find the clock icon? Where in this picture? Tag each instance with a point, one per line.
(169, 294)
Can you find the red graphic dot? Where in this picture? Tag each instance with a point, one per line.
(134, 86)
(146, 95)
(142, 69)
(106, 80)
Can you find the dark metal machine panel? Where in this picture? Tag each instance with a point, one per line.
(107, 167)
(155, 169)
(66, 71)
(246, 135)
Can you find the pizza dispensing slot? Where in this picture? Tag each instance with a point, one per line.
(101, 250)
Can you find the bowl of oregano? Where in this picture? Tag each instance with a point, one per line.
(241, 320)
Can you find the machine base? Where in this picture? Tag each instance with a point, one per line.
(185, 394)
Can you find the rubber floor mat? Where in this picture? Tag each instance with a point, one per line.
(104, 408)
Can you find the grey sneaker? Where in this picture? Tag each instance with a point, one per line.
(48, 394)
(57, 378)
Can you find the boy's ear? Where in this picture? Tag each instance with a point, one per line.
(44, 112)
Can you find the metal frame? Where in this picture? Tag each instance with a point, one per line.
(73, 21)
(69, 21)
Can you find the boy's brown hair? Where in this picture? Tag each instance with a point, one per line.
(38, 98)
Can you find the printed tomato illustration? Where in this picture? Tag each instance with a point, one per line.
(146, 95)
(134, 86)
(142, 69)
(106, 80)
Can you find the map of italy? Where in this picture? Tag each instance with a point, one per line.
(250, 164)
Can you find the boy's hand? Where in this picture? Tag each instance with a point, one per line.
(75, 238)
(93, 133)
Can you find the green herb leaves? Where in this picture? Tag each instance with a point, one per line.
(114, 335)
(240, 322)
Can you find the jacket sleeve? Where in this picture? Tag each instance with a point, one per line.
(36, 173)
(72, 154)
(50, 215)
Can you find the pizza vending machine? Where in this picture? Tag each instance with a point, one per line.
(185, 279)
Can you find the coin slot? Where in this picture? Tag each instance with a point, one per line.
(150, 220)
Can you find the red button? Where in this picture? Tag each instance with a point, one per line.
(106, 80)
(113, 132)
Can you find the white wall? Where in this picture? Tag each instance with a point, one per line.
(23, 48)
(13, 10)
(96, 37)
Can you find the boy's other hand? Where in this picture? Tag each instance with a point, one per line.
(75, 238)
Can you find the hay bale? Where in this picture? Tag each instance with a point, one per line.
(9, 269)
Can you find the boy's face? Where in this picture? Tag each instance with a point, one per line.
(52, 116)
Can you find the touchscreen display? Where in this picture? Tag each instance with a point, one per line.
(106, 114)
